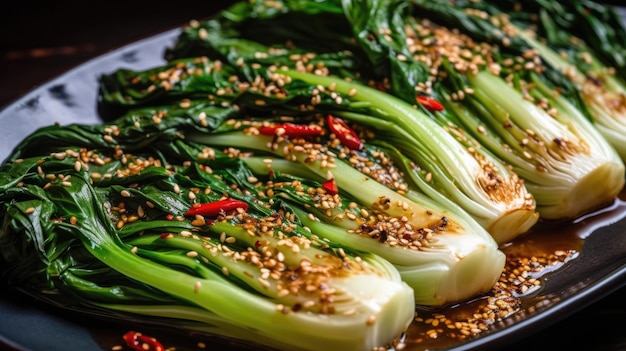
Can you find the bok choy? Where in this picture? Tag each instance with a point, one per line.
(583, 41)
(503, 100)
(171, 229)
(446, 162)
(442, 253)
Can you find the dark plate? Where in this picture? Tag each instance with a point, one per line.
(27, 324)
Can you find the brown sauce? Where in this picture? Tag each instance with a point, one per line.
(553, 245)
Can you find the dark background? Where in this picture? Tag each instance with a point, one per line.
(40, 40)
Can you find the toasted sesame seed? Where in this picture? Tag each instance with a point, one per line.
(198, 221)
(59, 155)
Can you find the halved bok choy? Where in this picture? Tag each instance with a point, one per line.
(450, 164)
(94, 220)
(442, 253)
(506, 102)
(584, 41)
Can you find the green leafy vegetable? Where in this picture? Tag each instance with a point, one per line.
(505, 100)
(108, 227)
(447, 160)
(299, 174)
(585, 42)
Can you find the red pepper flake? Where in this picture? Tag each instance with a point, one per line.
(213, 209)
(169, 216)
(429, 103)
(349, 138)
(140, 342)
(331, 187)
(291, 130)
(381, 86)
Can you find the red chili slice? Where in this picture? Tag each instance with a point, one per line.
(430, 103)
(140, 342)
(331, 187)
(291, 130)
(381, 86)
(213, 209)
(348, 137)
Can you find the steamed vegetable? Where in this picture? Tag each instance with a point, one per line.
(585, 42)
(445, 163)
(300, 174)
(159, 229)
(442, 253)
(504, 101)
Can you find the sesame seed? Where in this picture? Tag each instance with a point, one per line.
(59, 155)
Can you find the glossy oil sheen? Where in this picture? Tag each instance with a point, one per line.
(598, 269)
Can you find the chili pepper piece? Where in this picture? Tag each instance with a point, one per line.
(381, 86)
(349, 138)
(429, 103)
(331, 187)
(140, 342)
(213, 209)
(291, 130)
